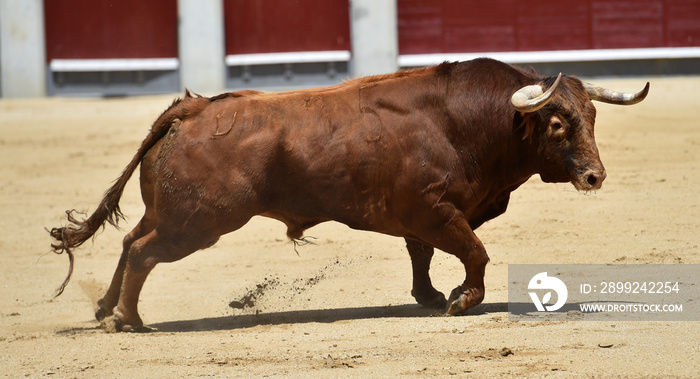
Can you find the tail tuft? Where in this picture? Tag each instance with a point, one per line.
(75, 234)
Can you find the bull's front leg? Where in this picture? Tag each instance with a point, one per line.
(471, 292)
(423, 290)
(457, 238)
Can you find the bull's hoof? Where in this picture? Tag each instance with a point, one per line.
(102, 310)
(461, 300)
(113, 324)
(119, 323)
(137, 329)
(433, 299)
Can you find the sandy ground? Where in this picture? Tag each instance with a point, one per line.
(340, 307)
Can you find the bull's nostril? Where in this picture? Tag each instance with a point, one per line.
(592, 180)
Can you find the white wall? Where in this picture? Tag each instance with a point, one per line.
(201, 45)
(22, 48)
(374, 35)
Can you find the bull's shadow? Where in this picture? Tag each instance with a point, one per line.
(314, 315)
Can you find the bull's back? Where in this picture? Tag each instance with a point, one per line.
(252, 150)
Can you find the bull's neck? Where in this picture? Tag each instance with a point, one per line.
(491, 146)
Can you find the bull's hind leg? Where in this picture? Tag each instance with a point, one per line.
(160, 245)
(143, 255)
(109, 301)
(457, 238)
(127, 282)
(423, 290)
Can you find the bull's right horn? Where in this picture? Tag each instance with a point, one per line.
(530, 98)
(613, 97)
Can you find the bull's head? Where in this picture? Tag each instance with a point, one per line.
(561, 121)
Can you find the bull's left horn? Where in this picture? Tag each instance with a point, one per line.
(530, 98)
(613, 97)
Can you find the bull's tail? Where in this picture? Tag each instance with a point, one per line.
(78, 231)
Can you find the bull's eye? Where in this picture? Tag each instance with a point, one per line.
(556, 126)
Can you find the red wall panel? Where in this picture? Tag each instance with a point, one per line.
(446, 26)
(258, 26)
(627, 24)
(420, 26)
(488, 25)
(682, 22)
(99, 29)
(553, 25)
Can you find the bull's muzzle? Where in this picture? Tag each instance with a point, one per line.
(590, 180)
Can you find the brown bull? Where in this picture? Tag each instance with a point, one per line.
(428, 155)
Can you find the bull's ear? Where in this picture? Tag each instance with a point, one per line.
(532, 98)
(189, 93)
(526, 124)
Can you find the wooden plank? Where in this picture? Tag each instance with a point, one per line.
(554, 56)
(288, 57)
(92, 65)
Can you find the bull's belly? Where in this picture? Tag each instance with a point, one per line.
(368, 217)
